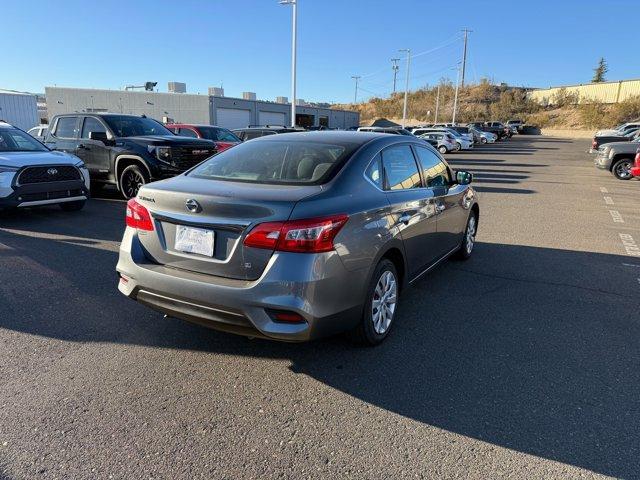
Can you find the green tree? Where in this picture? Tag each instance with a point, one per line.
(600, 71)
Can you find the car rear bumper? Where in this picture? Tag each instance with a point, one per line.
(635, 171)
(316, 286)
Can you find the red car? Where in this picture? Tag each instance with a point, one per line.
(222, 137)
(635, 170)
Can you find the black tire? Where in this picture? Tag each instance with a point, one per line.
(468, 240)
(365, 333)
(622, 169)
(73, 206)
(442, 149)
(131, 179)
(483, 140)
(96, 187)
(458, 146)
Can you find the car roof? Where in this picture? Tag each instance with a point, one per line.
(335, 137)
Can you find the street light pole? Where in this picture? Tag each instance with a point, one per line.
(294, 4)
(455, 98)
(406, 86)
(435, 118)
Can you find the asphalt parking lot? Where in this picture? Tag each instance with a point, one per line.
(523, 362)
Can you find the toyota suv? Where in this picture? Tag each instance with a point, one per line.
(31, 175)
(126, 150)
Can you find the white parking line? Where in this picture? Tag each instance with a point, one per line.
(630, 245)
(617, 218)
(608, 200)
(630, 265)
(604, 190)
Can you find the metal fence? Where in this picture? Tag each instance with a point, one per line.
(605, 92)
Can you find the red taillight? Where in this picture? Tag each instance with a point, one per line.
(637, 162)
(138, 216)
(222, 146)
(311, 236)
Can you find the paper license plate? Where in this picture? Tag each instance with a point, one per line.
(194, 240)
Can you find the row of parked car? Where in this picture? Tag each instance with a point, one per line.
(618, 150)
(447, 137)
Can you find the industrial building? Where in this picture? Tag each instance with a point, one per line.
(209, 109)
(19, 109)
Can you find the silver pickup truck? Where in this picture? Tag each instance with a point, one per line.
(617, 157)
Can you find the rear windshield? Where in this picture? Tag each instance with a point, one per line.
(277, 162)
(218, 134)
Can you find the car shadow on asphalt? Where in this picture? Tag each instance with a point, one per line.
(518, 347)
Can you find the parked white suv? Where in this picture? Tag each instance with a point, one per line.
(32, 175)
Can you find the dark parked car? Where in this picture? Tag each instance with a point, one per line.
(292, 237)
(497, 128)
(222, 137)
(125, 150)
(598, 141)
(254, 131)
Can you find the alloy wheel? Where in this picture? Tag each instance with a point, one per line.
(131, 183)
(623, 170)
(470, 237)
(383, 304)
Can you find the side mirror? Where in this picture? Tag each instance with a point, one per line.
(463, 177)
(98, 136)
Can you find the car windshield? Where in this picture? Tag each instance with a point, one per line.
(275, 162)
(14, 140)
(218, 134)
(126, 126)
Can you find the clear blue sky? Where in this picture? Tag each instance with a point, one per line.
(245, 44)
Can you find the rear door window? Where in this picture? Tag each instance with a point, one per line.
(400, 169)
(92, 125)
(67, 127)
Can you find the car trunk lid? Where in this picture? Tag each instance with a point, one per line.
(227, 209)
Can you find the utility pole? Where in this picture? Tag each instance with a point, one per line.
(464, 54)
(455, 98)
(435, 118)
(294, 4)
(395, 67)
(356, 78)
(406, 86)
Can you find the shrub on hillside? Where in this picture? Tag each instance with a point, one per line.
(625, 111)
(564, 98)
(593, 115)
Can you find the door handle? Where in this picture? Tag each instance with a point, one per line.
(404, 218)
(82, 146)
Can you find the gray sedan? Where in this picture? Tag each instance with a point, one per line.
(296, 236)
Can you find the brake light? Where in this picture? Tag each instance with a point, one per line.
(138, 216)
(313, 235)
(637, 162)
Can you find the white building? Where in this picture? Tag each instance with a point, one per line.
(19, 109)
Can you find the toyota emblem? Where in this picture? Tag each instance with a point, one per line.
(52, 172)
(193, 206)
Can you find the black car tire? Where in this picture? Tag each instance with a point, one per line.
(73, 206)
(365, 333)
(622, 169)
(465, 251)
(483, 140)
(130, 181)
(442, 149)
